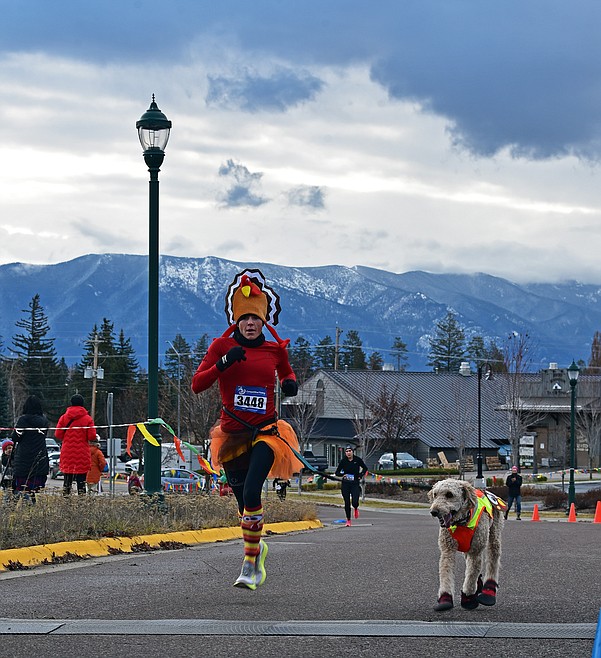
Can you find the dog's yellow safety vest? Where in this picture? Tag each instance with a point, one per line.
(463, 534)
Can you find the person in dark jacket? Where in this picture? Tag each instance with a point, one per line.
(280, 485)
(75, 428)
(30, 459)
(352, 469)
(514, 487)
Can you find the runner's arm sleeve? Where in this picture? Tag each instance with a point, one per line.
(207, 373)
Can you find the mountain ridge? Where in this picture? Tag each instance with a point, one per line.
(380, 305)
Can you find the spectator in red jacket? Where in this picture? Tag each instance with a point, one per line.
(98, 465)
(75, 428)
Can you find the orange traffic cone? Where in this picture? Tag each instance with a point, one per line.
(597, 518)
(535, 516)
(572, 514)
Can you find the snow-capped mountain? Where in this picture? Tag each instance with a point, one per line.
(379, 305)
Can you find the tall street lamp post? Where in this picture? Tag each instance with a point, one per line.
(486, 370)
(153, 131)
(573, 372)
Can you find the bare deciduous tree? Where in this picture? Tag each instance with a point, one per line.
(461, 423)
(396, 417)
(588, 418)
(301, 410)
(517, 359)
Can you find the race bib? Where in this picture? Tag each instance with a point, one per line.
(250, 398)
(349, 476)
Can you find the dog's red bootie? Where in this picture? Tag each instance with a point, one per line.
(488, 595)
(469, 602)
(445, 602)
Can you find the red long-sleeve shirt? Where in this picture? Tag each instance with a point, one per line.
(246, 387)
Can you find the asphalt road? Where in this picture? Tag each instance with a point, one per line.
(365, 590)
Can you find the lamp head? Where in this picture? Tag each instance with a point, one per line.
(573, 372)
(485, 371)
(153, 129)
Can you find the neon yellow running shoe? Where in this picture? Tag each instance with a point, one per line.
(260, 573)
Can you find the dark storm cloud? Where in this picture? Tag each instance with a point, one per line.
(524, 77)
(251, 93)
(522, 74)
(242, 184)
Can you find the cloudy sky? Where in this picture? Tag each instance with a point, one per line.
(448, 136)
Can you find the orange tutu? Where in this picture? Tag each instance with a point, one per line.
(225, 447)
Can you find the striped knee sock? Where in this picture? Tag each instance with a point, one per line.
(252, 529)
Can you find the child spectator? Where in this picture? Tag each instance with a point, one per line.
(7, 467)
(134, 484)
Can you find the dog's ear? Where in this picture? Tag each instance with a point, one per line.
(469, 493)
(432, 492)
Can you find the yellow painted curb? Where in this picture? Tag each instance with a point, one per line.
(35, 555)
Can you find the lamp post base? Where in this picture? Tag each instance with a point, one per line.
(480, 483)
(571, 490)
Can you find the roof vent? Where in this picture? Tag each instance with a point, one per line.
(464, 369)
(553, 365)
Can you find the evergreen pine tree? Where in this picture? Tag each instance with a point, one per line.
(178, 372)
(352, 356)
(200, 349)
(375, 361)
(302, 359)
(325, 353)
(476, 350)
(399, 351)
(447, 347)
(119, 366)
(178, 358)
(126, 367)
(39, 367)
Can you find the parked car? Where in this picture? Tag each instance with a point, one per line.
(180, 479)
(52, 445)
(403, 460)
(320, 462)
(133, 465)
(55, 471)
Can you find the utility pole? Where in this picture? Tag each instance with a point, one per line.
(96, 342)
(94, 373)
(337, 347)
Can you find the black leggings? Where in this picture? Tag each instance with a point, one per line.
(247, 483)
(80, 478)
(350, 489)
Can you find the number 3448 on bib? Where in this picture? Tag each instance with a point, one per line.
(250, 398)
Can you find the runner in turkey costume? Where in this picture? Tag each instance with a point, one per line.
(249, 441)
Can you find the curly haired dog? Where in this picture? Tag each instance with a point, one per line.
(471, 522)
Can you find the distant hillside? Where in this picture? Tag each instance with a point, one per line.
(380, 305)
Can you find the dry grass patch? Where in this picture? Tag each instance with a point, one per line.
(55, 518)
